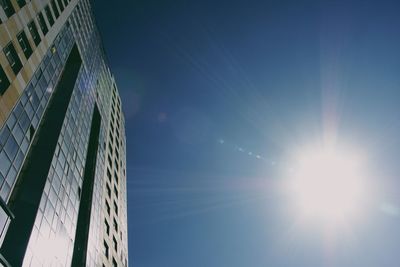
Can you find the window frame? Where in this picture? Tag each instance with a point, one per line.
(106, 249)
(21, 3)
(33, 30)
(7, 7)
(55, 9)
(49, 15)
(12, 57)
(61, 6)
(4, 81)
(24, 44)
(42, 23)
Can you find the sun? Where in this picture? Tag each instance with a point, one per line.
(327, 185)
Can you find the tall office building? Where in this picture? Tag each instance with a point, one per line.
(62, 141)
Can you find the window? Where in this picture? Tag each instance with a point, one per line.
(13, 58)
(108, 191)
(4, 134)
(11, 148)
(114, 263)
(115, 225)
(108, 174)
(65, 2)
(4, 82)
(4, 219)
(5, 163)
(112, 116)
(115, 191)
(32, 133)
(42, 23)
(109, 161)
(115, 208)
(55, 9)
(34, 32)
(108, 208)
(50, 18)
(116, 164)
(115, 243)
(105, 247)
(21, 3)
(60, 5)
(7, 7)
(116, 177)
(24, 43)
(107, 227)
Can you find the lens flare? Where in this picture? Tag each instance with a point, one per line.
(328, 185)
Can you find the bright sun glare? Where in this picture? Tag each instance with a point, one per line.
(328, 185)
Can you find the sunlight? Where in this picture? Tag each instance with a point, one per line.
(328, 185)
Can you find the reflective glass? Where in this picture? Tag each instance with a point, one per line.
(11, 147)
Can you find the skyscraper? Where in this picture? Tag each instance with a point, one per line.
(62, 139)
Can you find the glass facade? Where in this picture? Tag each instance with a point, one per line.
(51, 239)
(18, 132)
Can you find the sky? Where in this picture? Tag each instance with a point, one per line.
(218, 94)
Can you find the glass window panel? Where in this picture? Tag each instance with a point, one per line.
(52, 196)
(60, 5)
(5, 190)
(7, 7)
(25, 145)
(105, 246)
(24, 44)
(108, 191)
(18, 134)
(56, 183)
(5, 163)
(1, 179)
(11, 121)
(34, 32)
(35, 101)
(40, 111)
(49, 15)
(18, 110)
(24, 120)
(3, 220)
(11, 147)
(115, 225)
(21, 3)
(12, 174)
(115, 208)
(115, 244)
(4, 135)
(13, 58)
(49, 211)
(115, 191)
(29, 110)
(24, 99)
(42, 23)
(55, 9)
(107, 227)
(108, 208)
(47, 75)
(35, 121)
(4, 81)
(18, 160)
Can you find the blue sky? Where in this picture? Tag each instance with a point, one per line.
(217, 94)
